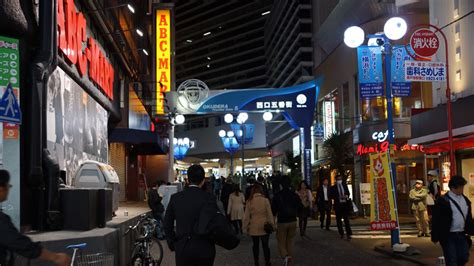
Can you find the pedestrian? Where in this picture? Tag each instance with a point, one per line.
(286, 205)
(418, 206)
(306, 198)
(12, 241)
(453, 224)
(185, 208)
(226, 190)
(258, 213)
(323, 201)
(434, 190)
(248, 189)
(266, 191)
(236, 208)
(157, 208)
(342, 205)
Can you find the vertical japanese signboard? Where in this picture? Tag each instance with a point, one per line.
(370, 71)
(400, 87)
(163, 57)
(382, 207)
(329, 119)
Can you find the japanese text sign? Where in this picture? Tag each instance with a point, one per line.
(382, 207)
(400, 87)
(425, 43)
(370, 71)
(163, 57)
(425, 71)
(9, 62)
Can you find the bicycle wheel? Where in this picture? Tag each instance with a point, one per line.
(156, 251)
(138, 260)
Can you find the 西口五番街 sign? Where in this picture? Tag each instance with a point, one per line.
(425, 71)
(382, 207)
(370, 71)
(163, 57)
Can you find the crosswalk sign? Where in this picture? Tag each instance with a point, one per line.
(9, 109)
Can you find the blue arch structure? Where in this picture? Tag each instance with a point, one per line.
(297, 104)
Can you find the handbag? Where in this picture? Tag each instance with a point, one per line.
(268, 227)
(429, 201)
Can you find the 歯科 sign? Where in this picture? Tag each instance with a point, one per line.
(83, 51)
(382, 207)
(424, 42)
(425, 71)
(400, 87)
(370, 71)
(163, 57)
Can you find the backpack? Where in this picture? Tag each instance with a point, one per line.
(213, 224)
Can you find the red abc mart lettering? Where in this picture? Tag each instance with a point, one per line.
(71, 37)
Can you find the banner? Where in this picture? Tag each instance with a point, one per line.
(370, 71)
(400, 87)
(425, 71)
(382, 207)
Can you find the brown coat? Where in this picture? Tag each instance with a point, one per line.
(257, 213)
(236, 206)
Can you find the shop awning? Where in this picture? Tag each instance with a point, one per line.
(143, 142)
(443, 146)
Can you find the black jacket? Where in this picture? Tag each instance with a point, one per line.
(285, 205)
(338, 205)
(184, 208)
(154, 202)
(321, 203)
(13, 241)
(443, 217)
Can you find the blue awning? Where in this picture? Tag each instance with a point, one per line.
(143, 142)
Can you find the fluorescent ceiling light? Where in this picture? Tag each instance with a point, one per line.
(145, 52)
(189, 41)
(265, 13)
(207, 33)
(130, 7)
(208, 66)
(208, 58)
(139, 32)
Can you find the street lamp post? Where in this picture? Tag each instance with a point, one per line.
(394, 29)
(241, 119)
(230, 145)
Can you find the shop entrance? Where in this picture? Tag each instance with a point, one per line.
(407, 174)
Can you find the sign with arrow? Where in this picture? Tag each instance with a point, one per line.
(9, 109)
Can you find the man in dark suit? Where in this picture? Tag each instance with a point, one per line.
(323, 200)
(185, 208)
(340, 194)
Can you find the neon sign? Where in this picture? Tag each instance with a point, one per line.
(383, 146)
(163, 57)
(71, 39)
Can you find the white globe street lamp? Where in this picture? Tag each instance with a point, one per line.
(230, 134)
(222, 133)
(186, 141)
(179, 119)
(395, 28)
(228, 118)
(354, 36)
(267, 116)
(242, 118)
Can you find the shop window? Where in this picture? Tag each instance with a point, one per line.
(458, 75)
(457, 32)
(458, 54)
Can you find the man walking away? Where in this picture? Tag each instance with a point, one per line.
(185, 208)
(340, 194)
(453, 224)
(12, 241)
(418, 206)
(226, 190)
(285, 206)
(324, 203)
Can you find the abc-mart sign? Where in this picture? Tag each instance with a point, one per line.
(72, 36)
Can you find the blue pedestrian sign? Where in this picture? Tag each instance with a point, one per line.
(9, 109)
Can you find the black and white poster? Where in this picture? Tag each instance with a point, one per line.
(76, 124)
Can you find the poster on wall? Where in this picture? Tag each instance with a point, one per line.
(76, 124)
(382, 207)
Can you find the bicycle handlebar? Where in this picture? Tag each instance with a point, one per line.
(142, 218)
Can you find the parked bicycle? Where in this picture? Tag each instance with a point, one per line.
(98, 259)
(148, 250)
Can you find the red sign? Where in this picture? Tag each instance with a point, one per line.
(72, 38)
(424, 42)
(383, 146)
(11, 131)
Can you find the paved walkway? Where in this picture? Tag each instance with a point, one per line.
(319, 248)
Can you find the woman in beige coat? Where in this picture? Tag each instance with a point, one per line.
(257, 213)
(235, 208)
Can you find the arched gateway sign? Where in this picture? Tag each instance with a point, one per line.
(296, 103)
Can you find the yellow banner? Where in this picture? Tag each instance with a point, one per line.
(163, 57)
(382, 207)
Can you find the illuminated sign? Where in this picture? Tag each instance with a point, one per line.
(383, 147)
(329, 121)
(163, 57)
(381, 136)
(82, 51)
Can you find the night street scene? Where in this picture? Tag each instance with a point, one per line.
(235, 133)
